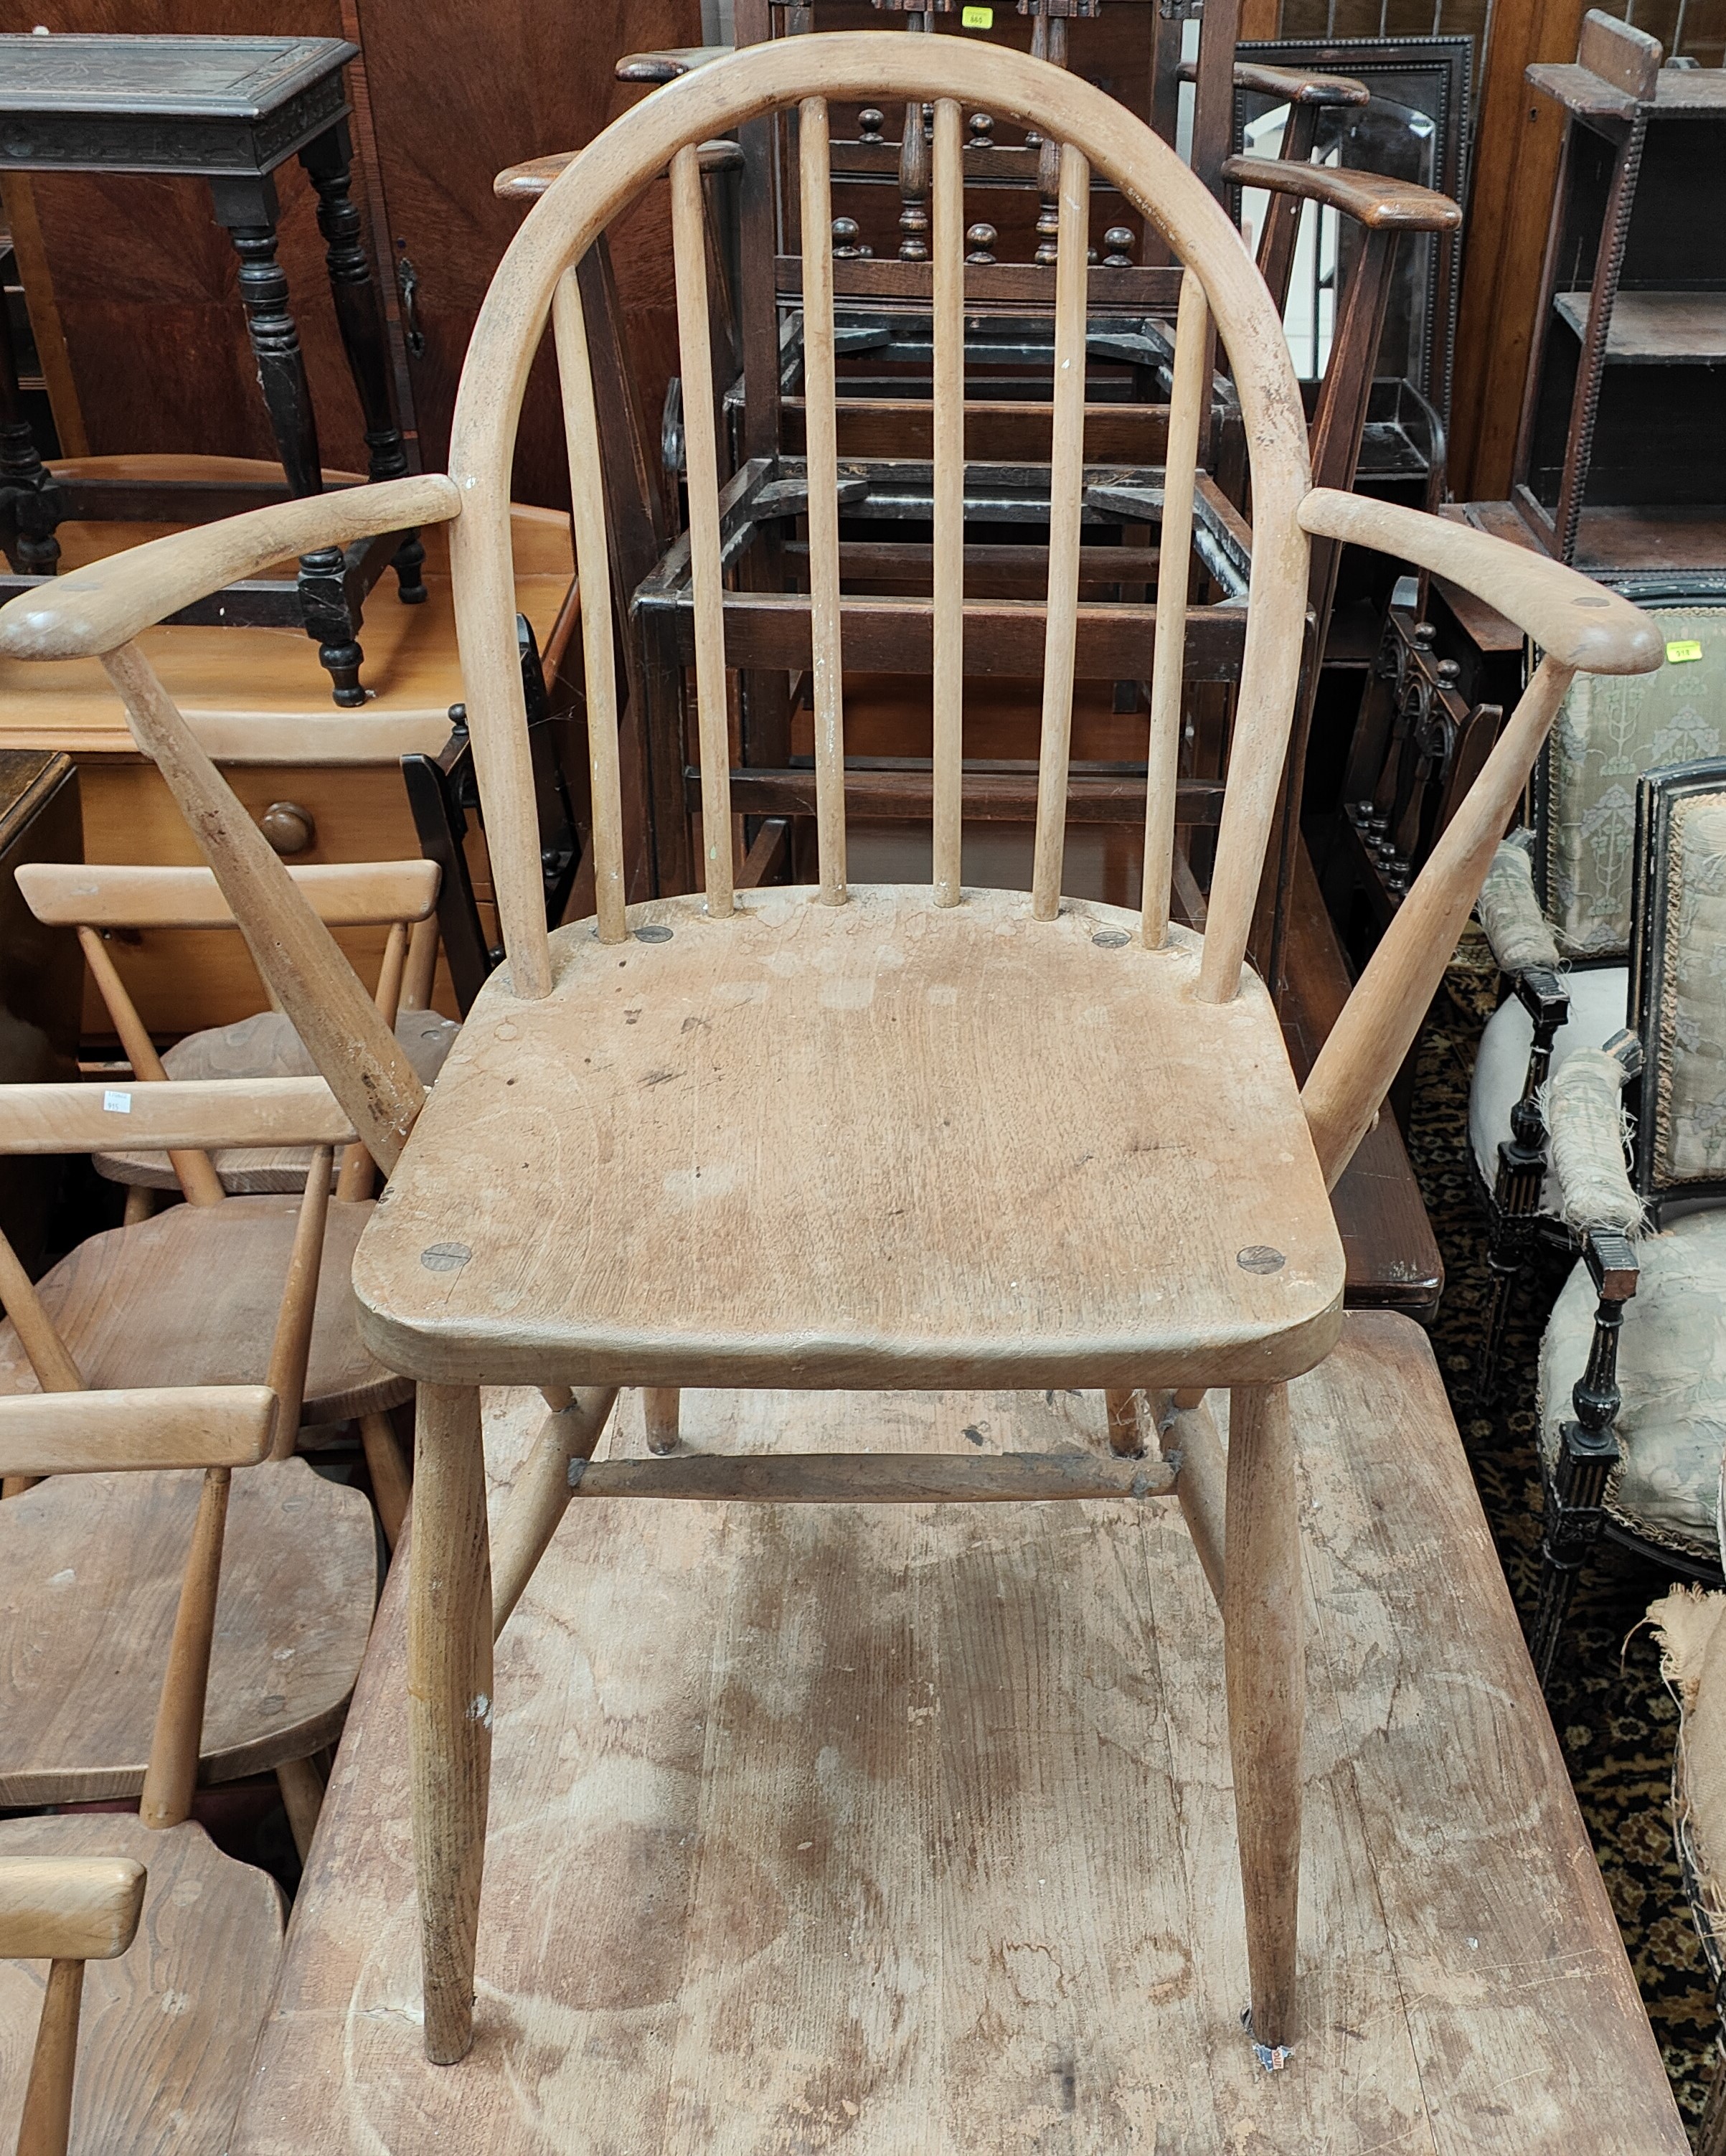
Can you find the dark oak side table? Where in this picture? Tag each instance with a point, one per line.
(228, 111)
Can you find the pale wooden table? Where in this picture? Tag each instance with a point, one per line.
(896, 1830)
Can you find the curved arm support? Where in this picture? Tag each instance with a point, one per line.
(94, 610)
(1379, 204)
(1573, 620)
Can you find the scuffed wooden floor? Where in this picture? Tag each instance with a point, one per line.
(909, 1832)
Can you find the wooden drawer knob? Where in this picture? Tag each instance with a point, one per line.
(289, 828)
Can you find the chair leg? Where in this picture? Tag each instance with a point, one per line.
(1266, 1664)
(1574, 1515)
(140, 1204)
(302, 1788)
(392, 1485)
(450, 1681)
(660, 1405)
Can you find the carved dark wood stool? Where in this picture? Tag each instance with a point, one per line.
(229, 110)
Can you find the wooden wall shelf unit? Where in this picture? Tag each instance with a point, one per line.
(1618, 467)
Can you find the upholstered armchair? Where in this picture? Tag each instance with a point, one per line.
(1692, 1660)
(1632, 1380)
(1556, 910)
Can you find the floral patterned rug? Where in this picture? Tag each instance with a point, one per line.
(1616, 1720)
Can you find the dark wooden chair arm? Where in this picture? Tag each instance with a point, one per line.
(666, 66)
(526, 182)
(1293, 83)
(1379, 204)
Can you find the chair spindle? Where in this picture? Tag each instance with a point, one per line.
(580, 427)
(1174, 547)
(1066, 491)
(949, 557)
(822, 453)
(689, 243)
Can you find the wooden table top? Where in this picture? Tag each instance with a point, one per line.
(899, 1831)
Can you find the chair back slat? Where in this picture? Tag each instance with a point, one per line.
(688, 248)
(580, 426)
(822, 453)
(947, 237)
(1066, 500)
(1187, 404)
(665, 129)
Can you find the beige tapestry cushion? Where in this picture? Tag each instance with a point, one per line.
(1611, 729)
(1672, 1371)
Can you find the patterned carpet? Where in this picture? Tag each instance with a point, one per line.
(1616, 1720)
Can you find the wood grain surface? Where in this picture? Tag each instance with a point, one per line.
(167, 2030)
(92, 1566)
(93, 1569)
(887, 1138)
(877, 1830)
(190, 1297)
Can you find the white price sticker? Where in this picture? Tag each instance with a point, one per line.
(117, 1104)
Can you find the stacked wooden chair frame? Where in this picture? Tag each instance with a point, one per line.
(187, 1603)
(1558, 908)
(102, 900)
(1632, 1393)
(842, 1136)
(183, 1295)
(1417, 747)
(59, 1743)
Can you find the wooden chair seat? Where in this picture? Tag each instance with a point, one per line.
(167, 2030)
(886, 1143)
(93, 1565)
(265, 1046)
(191, 1297)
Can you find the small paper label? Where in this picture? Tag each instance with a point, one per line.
(1677, 654)
(977, 18)
(117, 1104)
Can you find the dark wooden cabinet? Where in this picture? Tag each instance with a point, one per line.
(446, 95)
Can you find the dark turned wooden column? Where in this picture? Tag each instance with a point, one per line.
(365, 331)
(249, 209)
(28, 499)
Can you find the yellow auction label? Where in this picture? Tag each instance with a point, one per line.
(977, 18)
(1677, 654)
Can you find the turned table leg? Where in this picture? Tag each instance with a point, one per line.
(450, 1707)
(248, 208)
(364, 330)
(1265, 1666)
(29, 501)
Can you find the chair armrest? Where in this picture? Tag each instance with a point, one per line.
(1297, 86)
(1379, 204)
(1584, 1123)
(1572, 619)
(95, 609)
(666, 66)
(1510, 913)
(169, 1114)
(68, 1908)
(115, 1432)
(526, 182)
